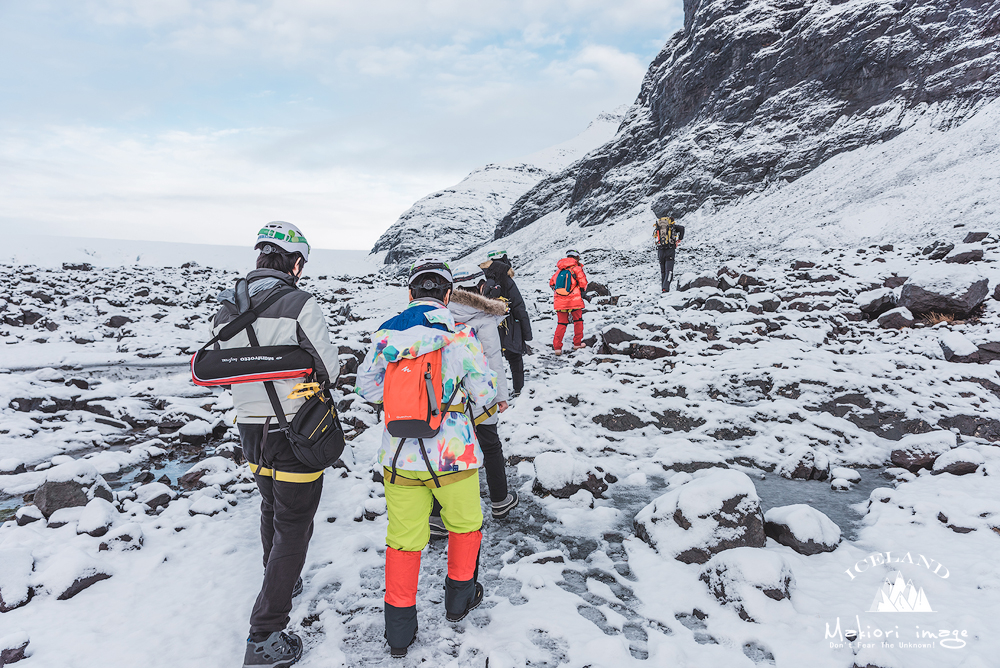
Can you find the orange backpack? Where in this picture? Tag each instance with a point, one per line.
(412, 396)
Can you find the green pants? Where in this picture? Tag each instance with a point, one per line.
(409, 507)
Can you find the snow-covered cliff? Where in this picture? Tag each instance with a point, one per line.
(466, 215)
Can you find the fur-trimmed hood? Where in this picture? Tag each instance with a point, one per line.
(493, 307)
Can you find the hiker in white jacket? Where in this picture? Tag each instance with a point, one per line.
(483, 315)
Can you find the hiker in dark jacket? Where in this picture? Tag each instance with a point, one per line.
(515, 331)
(667, 235)
(290, 491)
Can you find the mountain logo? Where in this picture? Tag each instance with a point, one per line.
(895, 595)
(405, 369)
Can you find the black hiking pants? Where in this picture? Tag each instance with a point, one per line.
(666, 254)
(286, 525)
(516, 362)
(493, 462)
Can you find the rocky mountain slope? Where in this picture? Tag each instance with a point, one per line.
(750, 95)
(465, 215)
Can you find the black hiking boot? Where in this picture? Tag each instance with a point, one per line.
(278, 650)
(400, 652)
(473, 604)
(502, 508)
(438, 529)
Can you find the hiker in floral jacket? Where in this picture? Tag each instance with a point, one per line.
(450, 472)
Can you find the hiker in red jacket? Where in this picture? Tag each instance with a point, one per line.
(569, 284)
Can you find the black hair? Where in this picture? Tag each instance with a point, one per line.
(283, 262)
(437, 292)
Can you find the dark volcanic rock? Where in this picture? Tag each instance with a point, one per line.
(83, 266)
(938, 250)
(619, 420)
(699, 282)
(598, 289)
(958, 292)
(15, 651)
(975, 237)
(973, 425)
(966, 256)
(737, 582)
(614, 336)
(748, 94)
(802, 528)
(639, 351)
(52, 496)
(897, 318)
(81, 583)
(116, 321)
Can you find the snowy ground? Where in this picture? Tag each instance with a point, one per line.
(567, 581)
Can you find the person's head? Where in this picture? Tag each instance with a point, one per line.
(430, 278)
(282, 248)
(498, 254)
(470, 278)
(575, 254)
(666, 220)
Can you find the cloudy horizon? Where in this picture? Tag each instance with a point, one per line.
(195, 122)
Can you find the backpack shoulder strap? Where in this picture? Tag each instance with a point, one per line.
(246, 319)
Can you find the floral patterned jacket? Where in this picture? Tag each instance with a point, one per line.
(427, 325)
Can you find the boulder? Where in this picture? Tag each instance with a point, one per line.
(840, 485)
(749, 581)
(805, 463)
(562, 475)
(989, 351)
(116, 321)
(56, 495)
(97, 518)
(125, 537)
(940, 289)
(937, 250)
(615, 336)
(68, 572)
(975, 237)
(27, 514)
(964, 254)
(619, 420)
(766, 301)
(918, 451)
(844, 473)
(212, 471)
(81, 266)
(154, 495)
(206, 505)
(15, 577)
(957, 348)
(799, 265)
(64, 516)
(645, 351)
(960, 461)
(691, 281)
(703, 514)
(13, 648)
(802, 528)
(897, 318)
(721, 305)
(598, 289)
(874, 303)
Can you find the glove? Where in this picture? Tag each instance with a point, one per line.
(586, 297)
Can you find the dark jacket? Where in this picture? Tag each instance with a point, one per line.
(515, 330)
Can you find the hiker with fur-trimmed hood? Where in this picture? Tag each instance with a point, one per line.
(515, 331)
(483, 314)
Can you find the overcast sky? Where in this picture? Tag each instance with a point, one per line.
(197, 120)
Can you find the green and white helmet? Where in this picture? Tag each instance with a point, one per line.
(468, 276)
(285, 236)
(496, 252)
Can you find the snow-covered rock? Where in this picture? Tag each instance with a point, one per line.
(918, 451)
(124, 537)
(15, 577)
(563, 475)
(802, 528)
(965, 253)
(750, 581)
(715, 510)
(941, 289)
(212, 471)
(805, 463)
(897, 318)
(69, 572)
(65, 516)
(155, 494)
(844, 473)
(960, 461)
(206, 505)
(14, 648)
(97, 517)
(874, 303)
(957, 348)
(27, 515)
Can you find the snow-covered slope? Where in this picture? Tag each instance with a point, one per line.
(753, 94)
(453, 220)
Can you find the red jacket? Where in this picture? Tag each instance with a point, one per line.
(574, 300)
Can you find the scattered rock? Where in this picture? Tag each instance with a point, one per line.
(721, 305)
(13, 648)
(897, 318)
(847, 474)
(82, 266)
(940, 289)
(97, 518)
(802, 528)
(964, 254)
(562, 476)
(799, 265)
(805, 464)
(206, 505)
(125, 537)
(704, 514)
(748, 580)
(81, 583)
(960, 461)
(937, 250)
(766, 301)
(116, 321)
(28, 514)
(691, 281)
(957, 348)
(64, 516)
(840, 485)
(975, 237)
(154, 495)
(619, 420)
(598, 289)
(614, 336)
(973, 425)
(15, 577)
(919, 451)
(640, 351)
(874, 303)
(55, 495)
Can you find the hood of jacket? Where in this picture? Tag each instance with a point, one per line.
(567, 263)
(424, 326)
(259, 280)
(465, 301)
(494, 268)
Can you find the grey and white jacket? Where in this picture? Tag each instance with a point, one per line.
(294, 320)
(484, 315)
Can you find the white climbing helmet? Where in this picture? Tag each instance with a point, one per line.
(282, 237)
(468, 276)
